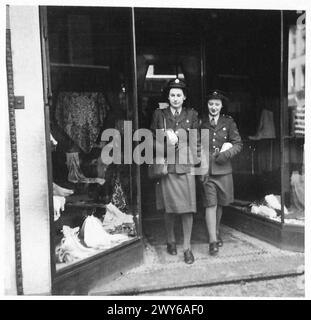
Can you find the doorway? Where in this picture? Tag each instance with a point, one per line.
(167, 48)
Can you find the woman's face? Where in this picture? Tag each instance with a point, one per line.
(214, 107)
(176, 97)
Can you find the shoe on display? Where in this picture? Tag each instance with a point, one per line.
(188, 256)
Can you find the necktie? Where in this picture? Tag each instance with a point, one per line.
(213, 122)
(176, 114)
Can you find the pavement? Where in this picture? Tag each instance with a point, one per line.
(241, 259)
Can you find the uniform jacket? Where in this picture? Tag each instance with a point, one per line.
(225, 131)
(187, 119)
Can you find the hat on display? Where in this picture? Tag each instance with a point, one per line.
(177, 83)
(217, 94)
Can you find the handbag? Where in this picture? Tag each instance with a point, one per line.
(157, 171)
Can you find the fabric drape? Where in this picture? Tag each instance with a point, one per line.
(81, 115)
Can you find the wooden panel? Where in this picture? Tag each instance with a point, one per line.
(283, 236)
(80, 280)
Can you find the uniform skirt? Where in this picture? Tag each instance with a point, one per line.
(176, 193)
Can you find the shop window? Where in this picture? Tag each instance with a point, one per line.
(255, 106)
(95, 203)
(270, 184)
(293, 143)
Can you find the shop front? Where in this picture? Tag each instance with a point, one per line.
(74, 220)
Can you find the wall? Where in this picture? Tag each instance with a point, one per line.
(31, 144)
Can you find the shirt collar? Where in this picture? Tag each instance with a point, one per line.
(173, 110)
(216, 118)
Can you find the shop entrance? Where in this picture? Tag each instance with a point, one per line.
(167, 48)
(118, 62)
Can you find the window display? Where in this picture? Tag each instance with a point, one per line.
(270, 170)
(95, 203)
(294, 128)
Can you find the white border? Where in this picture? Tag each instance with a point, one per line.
(238, 4)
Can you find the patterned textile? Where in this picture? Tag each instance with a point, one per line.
(118, 195)
(299, 121)
(81, 115)
(75, 174)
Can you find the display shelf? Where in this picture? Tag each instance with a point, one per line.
(294, 137)
(103, 267)
(76, 65)
(285, 236)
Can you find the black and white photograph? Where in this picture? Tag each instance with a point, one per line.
(155, 150)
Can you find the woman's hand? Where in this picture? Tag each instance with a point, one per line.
(171, 137)
(204, 178)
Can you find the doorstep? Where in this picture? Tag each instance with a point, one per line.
(242, 258)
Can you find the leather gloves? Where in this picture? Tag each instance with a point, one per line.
(171, 137)
(222, 157)
(204, 178)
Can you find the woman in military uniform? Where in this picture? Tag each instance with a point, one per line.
(177, 188)
(224, 143)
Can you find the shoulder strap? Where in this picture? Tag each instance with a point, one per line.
(164, 120)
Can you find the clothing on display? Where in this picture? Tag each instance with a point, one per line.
(274, 202)
(95, 236)
(115, 218)
(75, 174)
(54, 142)
(58, 205)
(297, 194)
(270, 206)
(81, 115)
(264, 211)
(118, 195)
(59, 200)
(299, 120)
(70, 247)
(266, 128)
(80, 243)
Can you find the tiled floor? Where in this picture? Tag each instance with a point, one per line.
(241, 258)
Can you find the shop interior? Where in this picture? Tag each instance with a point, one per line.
(91, 79)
